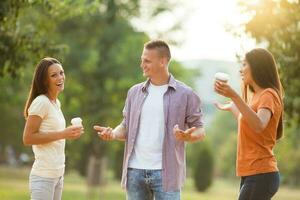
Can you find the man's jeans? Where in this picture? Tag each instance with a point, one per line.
(143, 184)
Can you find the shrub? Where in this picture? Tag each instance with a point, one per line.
(203, 166)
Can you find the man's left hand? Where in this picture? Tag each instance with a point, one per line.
(183, 135)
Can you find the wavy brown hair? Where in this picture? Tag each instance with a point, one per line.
(265, 74)
(39, 81)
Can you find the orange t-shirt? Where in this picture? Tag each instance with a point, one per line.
(255, 150)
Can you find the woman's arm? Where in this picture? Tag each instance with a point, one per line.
(231, 107)
(32, 136)
(257, 121)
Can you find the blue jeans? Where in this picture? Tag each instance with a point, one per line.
(143, 184)
(45, 188)
(259, 186)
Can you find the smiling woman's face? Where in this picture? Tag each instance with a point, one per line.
(245, 72)
(56, 78)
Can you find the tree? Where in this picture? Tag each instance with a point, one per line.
(227, 157)
(203, 166)
(27, 27)
(100, 52)
(276, 23)
(103, 60)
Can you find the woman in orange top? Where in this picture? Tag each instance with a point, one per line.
(260, 124)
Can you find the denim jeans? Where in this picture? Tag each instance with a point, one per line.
(45, 188)
(143, 184)
(259, 186)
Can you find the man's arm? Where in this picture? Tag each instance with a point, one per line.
(108, 134)
(190, 135)
(119, 132)
(197, 135)
(193, 120)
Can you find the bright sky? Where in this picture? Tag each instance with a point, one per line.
(204, 33)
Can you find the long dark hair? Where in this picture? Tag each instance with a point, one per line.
(39, 81)
(265, 74)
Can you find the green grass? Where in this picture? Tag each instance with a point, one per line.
(14, 186)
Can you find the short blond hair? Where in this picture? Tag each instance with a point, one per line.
(161, 46)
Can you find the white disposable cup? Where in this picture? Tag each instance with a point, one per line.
(222, 76)
(77, 121)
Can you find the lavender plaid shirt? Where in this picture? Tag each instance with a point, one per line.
(182, 107)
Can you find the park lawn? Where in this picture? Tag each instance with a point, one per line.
(14, 186)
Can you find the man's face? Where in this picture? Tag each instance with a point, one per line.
(152, 63)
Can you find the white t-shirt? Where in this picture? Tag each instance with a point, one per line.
(49, 158)
(147, 152)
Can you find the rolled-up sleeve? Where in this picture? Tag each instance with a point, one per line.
(124, 115)
(126, 111)
(194, 115)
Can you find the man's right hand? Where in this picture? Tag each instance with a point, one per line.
(105, 133)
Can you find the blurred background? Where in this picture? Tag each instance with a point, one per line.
(99, 43)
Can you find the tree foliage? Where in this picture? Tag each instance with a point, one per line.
(26, 27)
(203, 166)
(100, 52)
(277, 23)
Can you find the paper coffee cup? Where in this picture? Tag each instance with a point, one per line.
(77, 121)
(222, 76)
